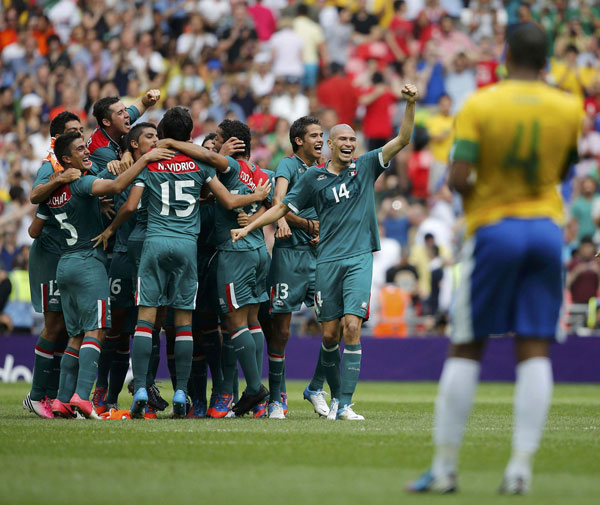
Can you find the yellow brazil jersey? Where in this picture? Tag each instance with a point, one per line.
(519, 136)
(437, 126)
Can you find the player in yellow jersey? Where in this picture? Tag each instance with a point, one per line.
(513, 144)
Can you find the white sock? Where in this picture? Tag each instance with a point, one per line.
(533, 393)
(456, 391)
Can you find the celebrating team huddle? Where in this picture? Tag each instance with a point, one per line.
(139, 230)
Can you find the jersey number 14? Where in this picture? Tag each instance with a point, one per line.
(180, 196)
(341, 193)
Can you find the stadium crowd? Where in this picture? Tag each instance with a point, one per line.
(268, 62)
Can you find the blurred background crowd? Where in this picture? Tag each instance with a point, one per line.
(268, 62)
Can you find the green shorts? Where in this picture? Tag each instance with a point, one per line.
(207, 301)
(292, 279)
(120, 277)
(45, 295)
(344, 287)
(83, 284)
(167, 275)
(134, 252)
(242, 278)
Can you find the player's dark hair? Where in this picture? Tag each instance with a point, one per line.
(210, 136)
(135, 133)
(302, 10)
(527, 43)
(299, 129)
(587, 239)
(398, 4)
(234, 128)
(176, 124)
(62, 146)
(102, 108)
(57, 126)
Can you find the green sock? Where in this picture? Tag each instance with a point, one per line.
(109, 349)
(154, 357)
(245, 352)
(318, 379)
(89, 355)
(54, 376)
(259, 342)
(283, 384)
(171, 361)
(330, 361)
(211, 346)
(69, 366)
(236, 384)
(350, 372)
(199, 377)
(184, 350)
(229, 365)
(118, 371)
(276, 371)
(141, 350)
(42, 366)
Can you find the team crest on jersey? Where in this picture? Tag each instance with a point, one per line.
(352, 172)
(60, 197)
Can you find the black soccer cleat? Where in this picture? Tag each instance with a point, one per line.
(155, 400)
(247, 402)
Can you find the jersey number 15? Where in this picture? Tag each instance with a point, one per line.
(180, 196)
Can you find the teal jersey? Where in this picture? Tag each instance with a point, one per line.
(141, 214)
(240, 178)
(49, 239)
(293, 169)
(78, 214)
(345, 205)
(206, 237)
(173, 188)
(104, 149)
(124, 231)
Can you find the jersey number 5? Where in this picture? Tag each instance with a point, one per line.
(179, 196)
(343, 192)
(62, 219)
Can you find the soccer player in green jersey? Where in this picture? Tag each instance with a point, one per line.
(341, 191)
(292, 273)
(81, 272)
(43, 259)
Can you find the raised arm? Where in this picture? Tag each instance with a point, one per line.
(42, 192)
(147, 100)
(272, 215)
(230, 202)
(102, 187)
(394, 146)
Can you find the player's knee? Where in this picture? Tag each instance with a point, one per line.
(351, 328)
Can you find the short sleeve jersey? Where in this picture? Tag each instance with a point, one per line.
(519, 136)
(173, 188)
(293, 169)
(104, 149)
(141, 214)
(345, 206)
(239, 179)
(77, 212)
(124, 231)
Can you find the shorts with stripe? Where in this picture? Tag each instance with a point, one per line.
(242, 278)
(168, 276)
(510, 281)
(84, 288)
(45, 295)
(344, 287)
(292, 279)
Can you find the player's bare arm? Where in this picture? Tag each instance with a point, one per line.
(125, 212)
(230, 202)
(102, 187)
(147, 100)
(394, 146)
(273, 214)
(459, 177)
(42, 192)
(36, 226)
(199, 153)
(291, 220)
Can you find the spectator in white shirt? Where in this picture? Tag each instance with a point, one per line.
(286, 48)
(191, 43)
(292, 104)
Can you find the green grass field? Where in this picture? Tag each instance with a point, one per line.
(302, 460)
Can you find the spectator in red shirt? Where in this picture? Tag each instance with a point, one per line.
(376, 48)
(8, 33)
(419, 164)
(265, 23)
(400, 32)
(338, 93)
(583, 277)
(486, 66)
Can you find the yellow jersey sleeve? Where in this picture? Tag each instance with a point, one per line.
(467, 134)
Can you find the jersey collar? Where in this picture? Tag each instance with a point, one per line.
(115, 145)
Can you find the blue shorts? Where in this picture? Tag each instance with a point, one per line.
(510, 281)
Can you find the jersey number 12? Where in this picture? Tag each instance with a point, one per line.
(179, 196)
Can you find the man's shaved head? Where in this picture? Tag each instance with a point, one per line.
(338, 128)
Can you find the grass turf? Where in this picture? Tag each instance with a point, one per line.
(302, 460)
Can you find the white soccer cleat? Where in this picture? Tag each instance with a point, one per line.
(317, 398)
(347, 414)
(333, 409)
(515, 483)
(276, 410)
(40, 408)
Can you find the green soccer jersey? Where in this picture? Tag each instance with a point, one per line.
(141, 214)
(293, 169)
(104, 149)
(173, 187)
(49, 239)
(345, 205)
(78, 214)
(206, 238)
(124, 231)
(240, 178)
